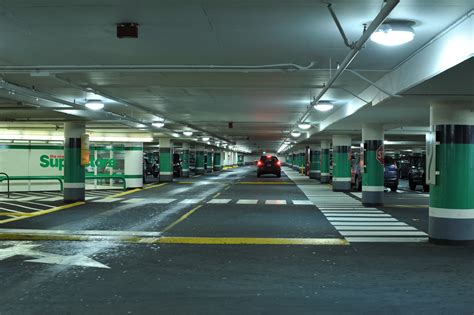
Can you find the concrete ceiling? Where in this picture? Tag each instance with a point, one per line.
(61, 48)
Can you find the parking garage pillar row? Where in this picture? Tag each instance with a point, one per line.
(451, 213)
(217, 161)
(325, 176)
(210, 162)
(199, 169)
(133, 165)
(166, 160)
(74, 172)
(185, 160)
(315, 166)
(341, 176)
(372, 177)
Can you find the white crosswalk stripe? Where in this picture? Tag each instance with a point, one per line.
(107, 200)
(163, 201)
(302, 203)
(219, 201)
(190, 201)
(247, 201)
(134, 200)
(275, 202)
(355, 222)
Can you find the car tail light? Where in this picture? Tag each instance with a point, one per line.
(278, 163)
(259, 163)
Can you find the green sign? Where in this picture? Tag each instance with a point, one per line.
(57, 161)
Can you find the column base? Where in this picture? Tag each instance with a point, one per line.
(199, 171)
(166, 178)
(341, 186)
(325, 179)
(450, 231)
(372, 198)
(314, 175)
(217, 168)
(185, 173)
(74, 194)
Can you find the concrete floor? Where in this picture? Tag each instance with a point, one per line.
(111, 257)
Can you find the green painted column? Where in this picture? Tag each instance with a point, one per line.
(302, 163)
(74, 173)
(185, 160)
(451, 174)
(372, 176)
(166, 160)
(315, 163)
(217, 161)
(210, 162)
(325, 175)
(341, 177)
(199, 160)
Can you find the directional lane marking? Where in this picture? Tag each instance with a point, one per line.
(247, 201)
(275, 202)
(219, 201)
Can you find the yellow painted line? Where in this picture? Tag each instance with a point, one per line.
(184, 217)
(14, 214)
(43, 212)
(124, 193)
(154, 186)
(266, 183)
(186, 183)
(216, 195)
(251, 241)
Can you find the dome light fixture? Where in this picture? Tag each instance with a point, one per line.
(323, 106)
(94, 104)
(158, 124)
(304, 126)
(205, 139)
(187, 133)
(295, 134)
(393, 33)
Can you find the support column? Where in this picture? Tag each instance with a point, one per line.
(451, 214)
(315, 166)
(341, 177)
(133, 165)
(325, 176)
(217, 161)
(166, 160)
(199, 160)
(372, 176)
(185, 160)
(210, 164)
(74, 172)
(302, 164)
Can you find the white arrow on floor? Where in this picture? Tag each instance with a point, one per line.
(48, 258)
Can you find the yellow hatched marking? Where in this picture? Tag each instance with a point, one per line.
(43, 212)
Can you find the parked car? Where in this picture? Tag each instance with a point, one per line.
(150, 167)
(417, 175)
(268, 164)
(390, 178)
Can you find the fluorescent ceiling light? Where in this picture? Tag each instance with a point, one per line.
(393, 34)
(94, 104)
(158, 124)
(323, 106)
(187, 133)
(304, 126)
(295, 134)
(205, 138)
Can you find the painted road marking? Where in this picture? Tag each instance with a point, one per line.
(54, 199)
(266, 183)
(331, 219)
(107, 200)
(134, 200)
(247, 201)
(383, 233)
(219, 201)
(394, 223)
(190, 201)
(163, 201)
(352, 211)
(387, 239)
(91, 198)
(182, 218)
(375, 228)
(302, 202)
(251, 241)
(43, 212)
(353, 215)
(17, 205)
(275, 202)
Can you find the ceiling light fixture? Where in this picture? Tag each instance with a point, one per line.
(304, 126)
(187, 133)
(94, 104)
(295, 134)
(158, 124)
(393, 33)
(323, 106)
(205, 139)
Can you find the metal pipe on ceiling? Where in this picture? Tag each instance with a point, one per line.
(374, 25)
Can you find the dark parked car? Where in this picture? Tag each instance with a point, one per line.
(390, 175)
(150, 167)
(268, 164)
(417, 175)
